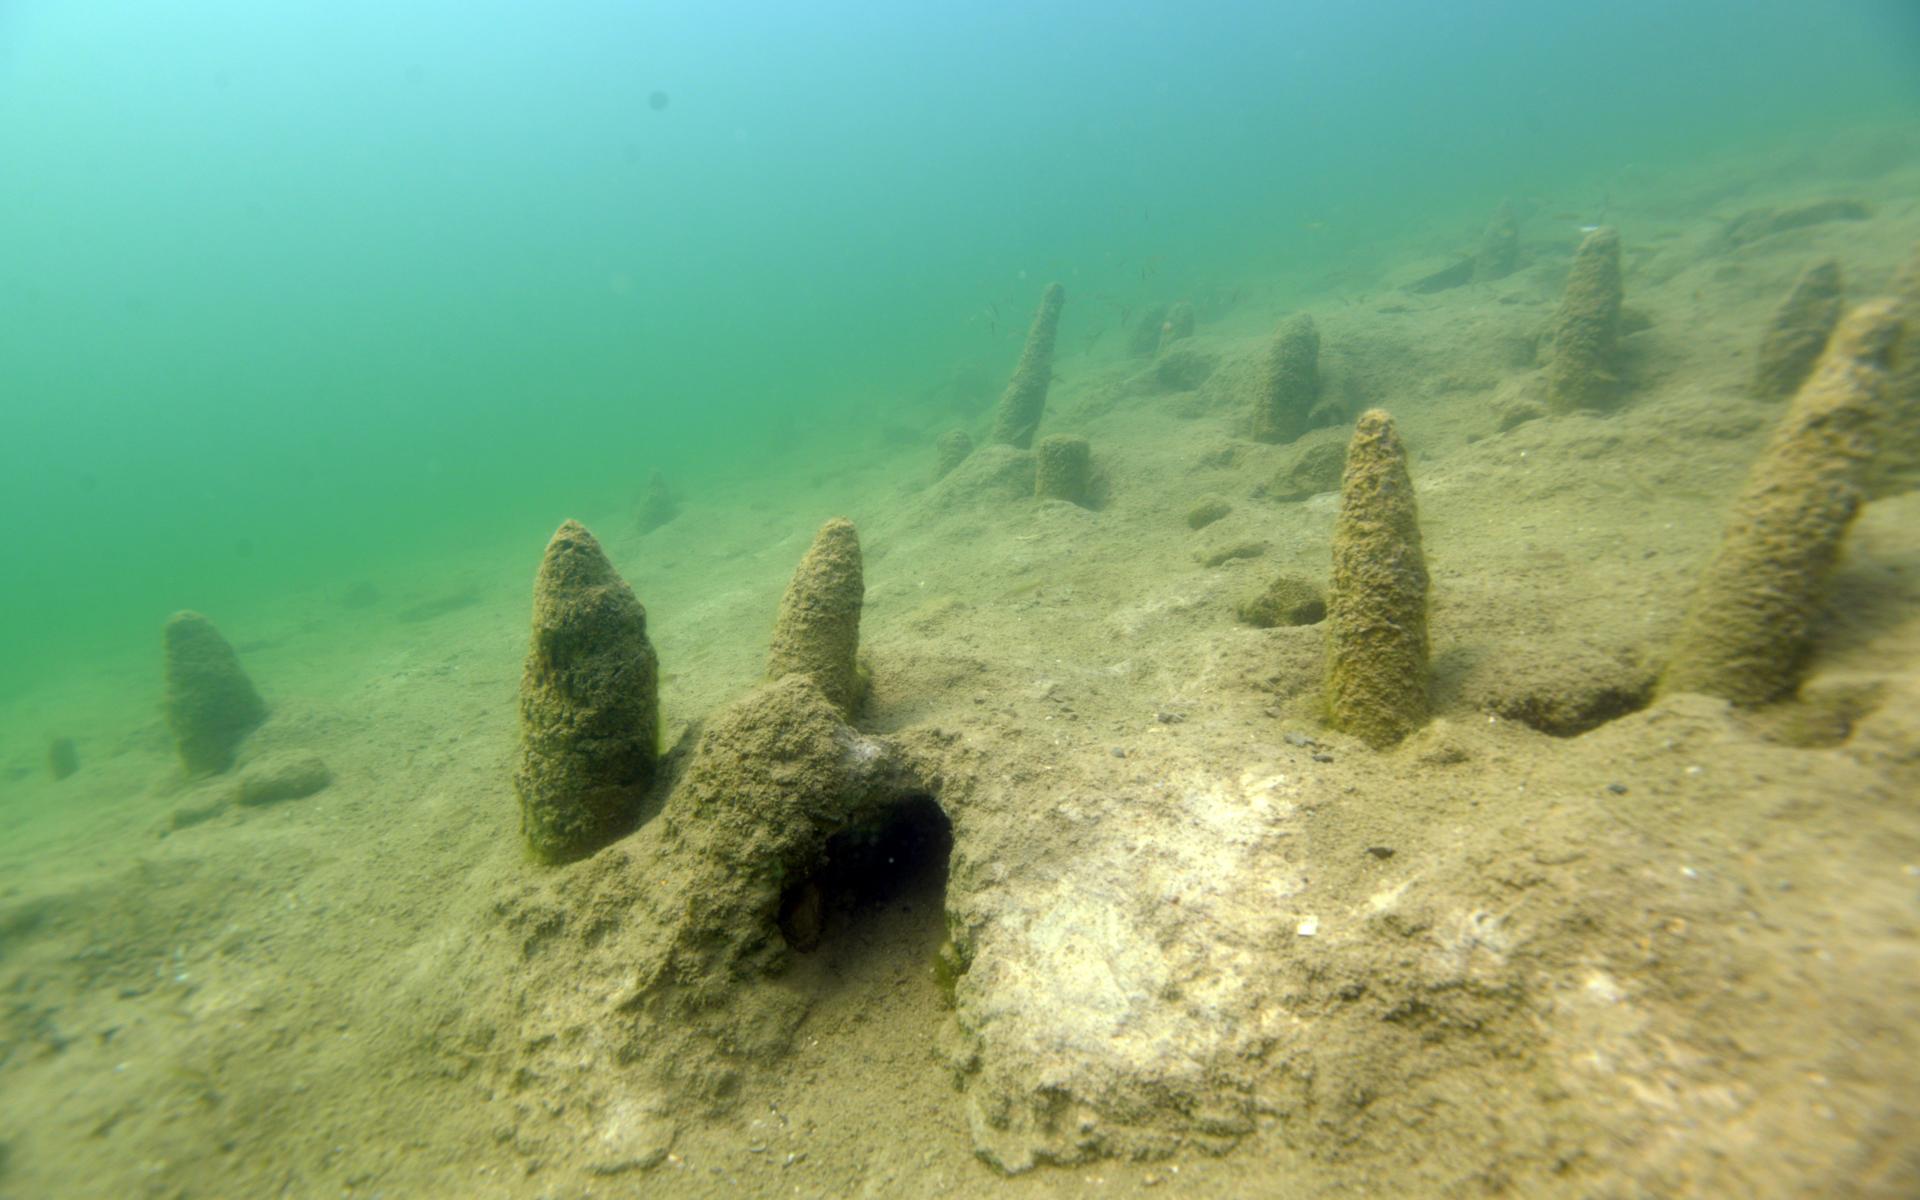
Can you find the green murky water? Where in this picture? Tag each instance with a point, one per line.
(298, 295)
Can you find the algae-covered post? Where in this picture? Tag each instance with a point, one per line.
(817, 633)
(1176, 326)
(1584, 340)
(1143, 340)
(950, 450)
(1896, 468)
(1376, 686)
(211, 705)
(1289, 381)
(1064, 469)
(1499, 249)
(63, 758)
(657, 506)
(1798, 331)
(1025, 399)
(589, 703)
(1749, 630)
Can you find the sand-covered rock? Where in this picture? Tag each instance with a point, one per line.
(1234, 551)
(1286, 600)
(770, 780)
(1183, 368)
(1206, 512)
(1558, 688)
(991, 474)
(1311, 469)
(1758, 223)
(292, 775)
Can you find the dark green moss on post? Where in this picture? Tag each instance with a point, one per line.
(589, 703)
(1376, 685)
(1749, 631)
(1584, 340)
(817, 633)
(211, 705)
(1025, 399)
(1289, 381)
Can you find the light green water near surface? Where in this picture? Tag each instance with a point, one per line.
(294, 295)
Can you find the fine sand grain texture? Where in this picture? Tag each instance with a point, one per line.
(1087, 899)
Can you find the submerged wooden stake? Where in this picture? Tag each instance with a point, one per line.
(1376, 686)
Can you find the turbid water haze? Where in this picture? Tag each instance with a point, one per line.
(296, 294)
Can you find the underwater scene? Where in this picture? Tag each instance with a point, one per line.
(1298, 599)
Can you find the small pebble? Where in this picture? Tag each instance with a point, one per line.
(1323, 758)
(290, 776)
(1118, 752)
(1293, 737)
(1618, 789)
